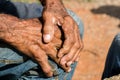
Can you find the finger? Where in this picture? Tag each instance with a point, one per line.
(69, 37)
(57, 43)
(78, 38)
(48, 29)
(52, 54)
(76, 56)
(60, 20)
(42, 61)
(71, 56)
(57, 32)
(68, 57)
(58, 29)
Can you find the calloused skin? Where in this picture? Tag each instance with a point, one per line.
(25, 35)
(55, 14)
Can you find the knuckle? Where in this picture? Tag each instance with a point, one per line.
(78, 46)
(69, 57)
(82, 46)
(47, 71)
(69, 18)
(72, 41)
(35, 54)
(66, 30)
(40, 59)
(66, 49)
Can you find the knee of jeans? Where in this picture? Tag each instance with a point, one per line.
(57, 70)
(78, 21)
(55, 67)
(8, 56)
(67, 76)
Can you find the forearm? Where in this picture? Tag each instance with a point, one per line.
(52, 3)
(6, 23)
(48, 2)
(56, 6)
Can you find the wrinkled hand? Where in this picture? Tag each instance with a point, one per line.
(26, 37)
(57, 16)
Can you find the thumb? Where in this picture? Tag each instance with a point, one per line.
(48, 30)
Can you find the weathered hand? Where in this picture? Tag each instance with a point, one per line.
(72, 43)
(26, 37)
(54, 14)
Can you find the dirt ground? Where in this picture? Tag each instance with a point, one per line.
(101, 23)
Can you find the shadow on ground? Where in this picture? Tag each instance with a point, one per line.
(113, 11)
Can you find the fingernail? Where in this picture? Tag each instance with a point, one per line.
(69, 63)
(47, 37)
(63, 62)
(59, 24)
(69, 69)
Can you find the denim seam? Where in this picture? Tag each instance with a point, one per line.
(5, 61)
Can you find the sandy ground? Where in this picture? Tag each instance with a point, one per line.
(101, 22)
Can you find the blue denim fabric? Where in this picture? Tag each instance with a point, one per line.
(15, 66)
(21, 10)
(112, 65)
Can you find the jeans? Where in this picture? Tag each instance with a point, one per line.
(16, 66)
(112, 65)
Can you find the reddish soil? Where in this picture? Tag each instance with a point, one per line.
(100, 30)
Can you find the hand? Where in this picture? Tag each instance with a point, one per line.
(73, 44)
(26, 37)
(56, 15)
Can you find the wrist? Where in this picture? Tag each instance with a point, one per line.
(3, 30)
(52, 4)
(6, 26)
